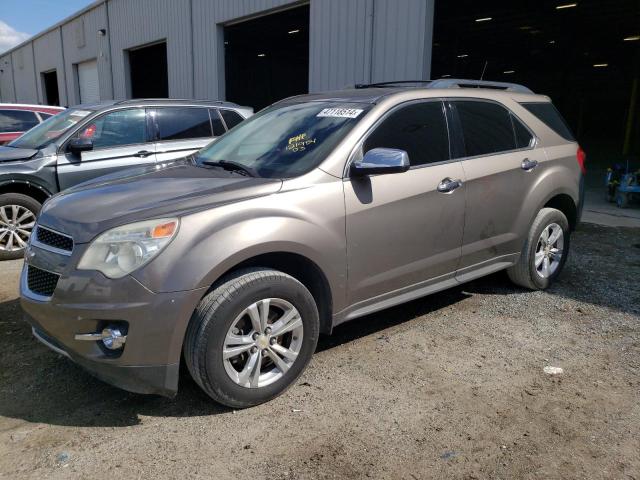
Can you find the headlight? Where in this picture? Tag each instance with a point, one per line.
(124, 249)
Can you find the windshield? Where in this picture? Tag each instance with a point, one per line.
(285, 141)
(49, 130)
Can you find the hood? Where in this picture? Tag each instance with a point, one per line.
(10, 154)
(145, 193)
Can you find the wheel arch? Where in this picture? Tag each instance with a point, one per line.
(300, 267)
(566, 204)
(28, 188)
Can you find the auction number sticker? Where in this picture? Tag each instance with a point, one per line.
(340, 112)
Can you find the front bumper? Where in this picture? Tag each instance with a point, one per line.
(85, 301)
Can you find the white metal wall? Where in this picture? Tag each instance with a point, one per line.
(23, 74)
(48, 56)
(351, 41)
(83, 42)
(7, 93)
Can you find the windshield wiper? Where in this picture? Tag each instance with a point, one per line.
(232, 166)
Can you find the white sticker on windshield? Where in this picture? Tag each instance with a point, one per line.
(340, 112)
(81, 113)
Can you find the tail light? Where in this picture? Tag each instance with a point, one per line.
(581, 156)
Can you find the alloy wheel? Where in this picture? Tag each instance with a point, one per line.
(549, 250)
(262, 343)
(16, 225)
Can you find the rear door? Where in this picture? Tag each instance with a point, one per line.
(181, 131)
(499, 158)
(120, 140)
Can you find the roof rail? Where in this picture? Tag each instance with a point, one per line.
(452, 83)
(464, 83)
(389, 84)
(178, 100)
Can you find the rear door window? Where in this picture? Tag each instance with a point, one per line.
(486, 127)
(183, 123)
(17, 120)
(550, 116)
(231, 118)
(420, 129)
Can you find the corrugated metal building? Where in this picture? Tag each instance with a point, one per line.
(121, 49)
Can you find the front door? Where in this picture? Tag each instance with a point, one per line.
(120, 140)
(404, 232)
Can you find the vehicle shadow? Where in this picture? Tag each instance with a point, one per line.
(40, 386)
(37, 385)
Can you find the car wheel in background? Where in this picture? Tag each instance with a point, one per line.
(17, 218)
(251, 337)
(545, 251)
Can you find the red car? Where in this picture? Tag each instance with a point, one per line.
(16, 118)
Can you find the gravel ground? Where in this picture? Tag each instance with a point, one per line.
(450, 386)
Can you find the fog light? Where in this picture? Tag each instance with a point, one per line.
(111, 338)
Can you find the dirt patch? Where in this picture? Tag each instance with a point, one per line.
(450, 386)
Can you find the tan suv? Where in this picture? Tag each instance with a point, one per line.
(318, 210)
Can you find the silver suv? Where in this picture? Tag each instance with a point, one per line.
(88, 141)
(318, 210)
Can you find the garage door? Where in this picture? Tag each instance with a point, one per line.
(88, 82)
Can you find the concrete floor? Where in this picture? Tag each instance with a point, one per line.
(597, 210)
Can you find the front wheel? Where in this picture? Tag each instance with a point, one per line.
(545, 251)
(251, 337)
(17, 218)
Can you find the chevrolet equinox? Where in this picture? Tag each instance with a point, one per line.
(320, 209)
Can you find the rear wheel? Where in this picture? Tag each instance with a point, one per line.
(251, 337)
(545, 251)
(17, 218)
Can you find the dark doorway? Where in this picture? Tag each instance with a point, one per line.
(267, 59)
(585, 55)
(50, 83)
(149, 73)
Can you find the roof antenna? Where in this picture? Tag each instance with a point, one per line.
(484, 69)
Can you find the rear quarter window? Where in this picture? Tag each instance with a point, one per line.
(231, 118)
(550, 116)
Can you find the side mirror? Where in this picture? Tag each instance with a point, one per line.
(381, 161)
(79, 145)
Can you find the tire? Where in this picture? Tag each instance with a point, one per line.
(223, 309)
(525, 272)
(24, 204)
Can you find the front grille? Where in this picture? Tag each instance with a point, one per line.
(41, 282)
(54, 239)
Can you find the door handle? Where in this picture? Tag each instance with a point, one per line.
(528, 165)
(447, 185)
(143, 153)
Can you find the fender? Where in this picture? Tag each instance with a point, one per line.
(212, 242)
(559, 177)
